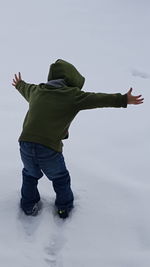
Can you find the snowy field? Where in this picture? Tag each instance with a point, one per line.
(108, 149)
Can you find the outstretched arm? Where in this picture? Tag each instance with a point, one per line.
(26, 89)
(89, 100)
(135, 100)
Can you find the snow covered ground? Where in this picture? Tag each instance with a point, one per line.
(108, 150)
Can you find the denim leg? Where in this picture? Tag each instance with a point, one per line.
(30, 175)
(64, 195)
(54, 167)
(29, 192)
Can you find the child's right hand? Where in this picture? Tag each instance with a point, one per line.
(17, 79)
(135, 100)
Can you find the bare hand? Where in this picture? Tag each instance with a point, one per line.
(135, 100)
(17, 79)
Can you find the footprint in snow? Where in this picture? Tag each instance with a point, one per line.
(140, 74)
(56, 243)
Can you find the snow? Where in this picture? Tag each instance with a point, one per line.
(108, 149)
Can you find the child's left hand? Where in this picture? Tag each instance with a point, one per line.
(135, 100)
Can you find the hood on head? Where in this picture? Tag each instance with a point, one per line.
(62, 69)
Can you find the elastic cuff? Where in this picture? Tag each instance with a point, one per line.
(124, 101)
(19, 83)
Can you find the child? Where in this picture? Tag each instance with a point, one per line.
(52, 107)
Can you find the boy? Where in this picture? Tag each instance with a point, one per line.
(52, 107)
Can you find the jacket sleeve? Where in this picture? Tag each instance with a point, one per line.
(26, 89)
(89, 100)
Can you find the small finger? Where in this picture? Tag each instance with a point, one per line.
(141, 99)
(130, 90)
(16, 77)
(137, 96)
(138, 102)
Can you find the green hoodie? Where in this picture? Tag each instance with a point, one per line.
(52, 109)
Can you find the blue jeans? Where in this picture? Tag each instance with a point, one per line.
(38, 160)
